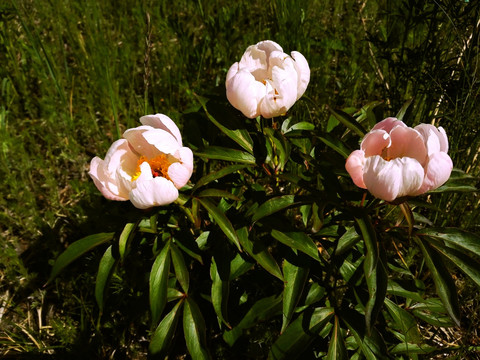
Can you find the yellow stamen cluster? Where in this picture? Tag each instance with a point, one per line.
(159, 165)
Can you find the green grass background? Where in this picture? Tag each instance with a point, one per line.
(75, 74)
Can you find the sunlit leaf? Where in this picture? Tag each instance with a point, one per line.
(409, 349)
(299, 241)
(162, 337)
(300, 334)
(347, 241)
(194, 331)
(455, 238)
(295, 278)
(336, 348)
(158, 283)
(105, 269)
(223, 153)
(403, 321)
(77, 249)
(227, 170)
(125, 238)
(395, 289)
(217, 193)
(275, 204)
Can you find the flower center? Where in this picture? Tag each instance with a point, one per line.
(159, 165)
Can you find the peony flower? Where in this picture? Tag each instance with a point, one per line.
(395, 160)
(267, 81)
(147, 166)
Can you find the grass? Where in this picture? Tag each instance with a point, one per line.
(76, 74)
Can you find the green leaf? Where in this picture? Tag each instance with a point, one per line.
(262, 310)
(348, 121)
(239, 266)
(347, 241)
(217, 193)
(194, 331)
(77, 249)
(240, 136)
(404, 109)
(455, 238)
(337, 349)
(299, 241)
(295, 279)
(404, 322)
(223, 153)
(335, 144)
(315, 293)
(227, 170)
(260, 253)
(454, 187)
(158, 283)
(105, 270)
(174, 294)
(275, 204)
(220, 292)
(125, 238)
(222, 221)
(375, 271)
(163, 335)
(180, 268)
(300, 334)
(443, 280)
(394, 289)
(409, 349)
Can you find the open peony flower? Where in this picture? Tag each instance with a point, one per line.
(147, 166)
(395, 160)
(267, 81)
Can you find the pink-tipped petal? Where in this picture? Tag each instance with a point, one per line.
(435, 138)
(437, 172)
(155, 192)
(163, 122)
(375, 142)
(388, 124)
(354, 167)
(407, 142)
(102, 180)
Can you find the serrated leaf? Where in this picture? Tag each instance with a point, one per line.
(337, 349)
(158, 283)
(275, 204)
(77, 249)
(105, 270)
(295, 279)
(299, 241)
(262, 310)
(227, 170)
(227, 154)
(260, 253)
(180, 268)
(443, 280)
(194, 331)
(222, 221)
(162, 337)
(300, 334)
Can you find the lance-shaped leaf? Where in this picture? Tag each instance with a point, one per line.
(299, 241)
(181, 271)
(455, 238)
(348, 121)
(159, 282)
(223, 153)
(337, 349)
(401, 113)
(349, 239)
(220, 292)
(217, 193)
(335, 144)
(240, 136)
(163, 335)
(404, 322)
(375, 271)
(395, 289)
(275, 204)
(260, 253)
(222, 221)
(300, 334)
(443, 280)
(105, 270)
(125, 238)
(227, 170)
(410, 349)
(77, 249)
(194, 331)
(262, 310)
(295, 279)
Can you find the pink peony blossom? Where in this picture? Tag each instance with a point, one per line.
(147, 166)
(395, 160)
(267, 81)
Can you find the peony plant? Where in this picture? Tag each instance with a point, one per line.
(147, 166)
(267, 81)
(395, 160)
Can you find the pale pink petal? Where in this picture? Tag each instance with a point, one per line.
(268, 46)
(388, 180)
(185, 156)
(354, 166)
(303, 71)
(179, 174)
(245, 93)
(435, 139)
(155, 192)
(161, 140)
(443, 139)
(254, 61)
(388, 124)
(101, 179)
(234, 69)
(138, 143)
(375, 142)
(407, 142)
(163, 122)
(437, 172)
